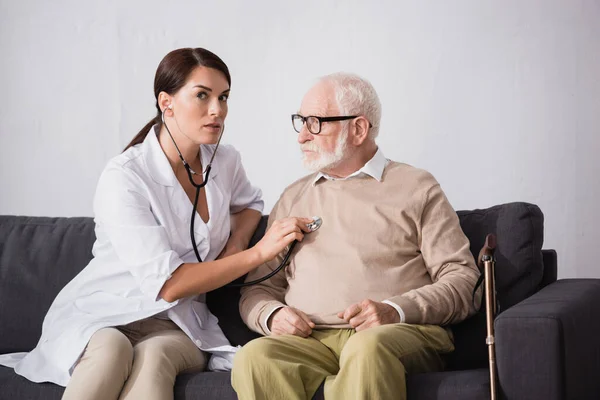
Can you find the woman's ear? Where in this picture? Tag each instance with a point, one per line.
(165, 103)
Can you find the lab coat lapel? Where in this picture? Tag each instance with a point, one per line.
(161, 172)
(182, 208)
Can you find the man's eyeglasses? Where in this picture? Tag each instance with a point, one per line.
(313, 123)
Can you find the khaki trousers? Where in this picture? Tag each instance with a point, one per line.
(370, 364)
(136, 361)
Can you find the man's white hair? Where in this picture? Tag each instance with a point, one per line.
(356, 96)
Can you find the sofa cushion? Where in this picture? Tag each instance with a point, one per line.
(204, 385)
(38, 257)
(460, 385)
(452, 385)
(198, 385)
(13, 386)
(519, 229)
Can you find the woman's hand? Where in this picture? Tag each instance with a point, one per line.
(281, 233)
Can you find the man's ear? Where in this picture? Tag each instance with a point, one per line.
(360, 130)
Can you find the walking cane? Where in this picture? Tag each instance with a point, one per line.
(487, 262)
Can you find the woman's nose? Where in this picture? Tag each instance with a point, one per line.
(216, 108)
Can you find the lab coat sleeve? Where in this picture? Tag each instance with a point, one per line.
(123, 213)
(244, 195)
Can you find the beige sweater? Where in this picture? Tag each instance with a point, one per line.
(397, 240)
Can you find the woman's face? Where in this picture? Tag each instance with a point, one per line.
(199, 108)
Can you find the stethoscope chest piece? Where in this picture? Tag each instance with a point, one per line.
(316, 224)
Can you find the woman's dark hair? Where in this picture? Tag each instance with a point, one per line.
(172, 73)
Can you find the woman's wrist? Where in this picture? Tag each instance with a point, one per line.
(256, 257)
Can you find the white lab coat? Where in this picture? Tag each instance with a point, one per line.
(142, 217)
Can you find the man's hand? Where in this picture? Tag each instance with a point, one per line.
(369, 313)
(290, 321)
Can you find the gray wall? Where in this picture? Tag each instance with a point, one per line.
(500, 100)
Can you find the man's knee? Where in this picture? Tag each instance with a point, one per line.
(396, 339)
(256, 352)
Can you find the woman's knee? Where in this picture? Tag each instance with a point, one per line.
(110, 345)
(169, 351)
(107, 352)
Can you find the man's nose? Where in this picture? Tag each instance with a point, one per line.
(304, 135)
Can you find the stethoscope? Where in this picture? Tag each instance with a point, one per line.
(313, 226)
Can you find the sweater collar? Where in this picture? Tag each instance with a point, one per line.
(374, 168)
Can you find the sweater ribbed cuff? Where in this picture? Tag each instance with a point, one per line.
(410, 309)
(398, 309)
(266, 312)
(266, 320)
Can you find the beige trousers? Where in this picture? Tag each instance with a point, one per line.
(370, 364)
(137, 361)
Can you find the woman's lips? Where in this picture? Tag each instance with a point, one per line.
(213, 127)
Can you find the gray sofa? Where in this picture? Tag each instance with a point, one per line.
(546, 332)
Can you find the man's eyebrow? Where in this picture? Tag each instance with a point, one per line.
(319, 113)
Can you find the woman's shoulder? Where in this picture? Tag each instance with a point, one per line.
(127, 158)
(124, 167)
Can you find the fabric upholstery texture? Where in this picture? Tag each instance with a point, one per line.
(39, 255)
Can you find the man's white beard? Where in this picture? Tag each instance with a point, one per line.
(326, 160)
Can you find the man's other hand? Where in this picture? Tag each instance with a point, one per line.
(290, 321)
(369, 313)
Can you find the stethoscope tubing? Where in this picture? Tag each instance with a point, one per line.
(197, 197)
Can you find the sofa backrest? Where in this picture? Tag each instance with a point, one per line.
(38, 257)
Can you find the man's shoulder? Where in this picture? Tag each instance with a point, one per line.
(291, 192)
(299, 185)
(409, 175)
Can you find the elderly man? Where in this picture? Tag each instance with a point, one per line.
(367, 297)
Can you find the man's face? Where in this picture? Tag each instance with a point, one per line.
(327, 149)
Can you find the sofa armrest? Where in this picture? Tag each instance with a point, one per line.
(550, 267)
(547, 346)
